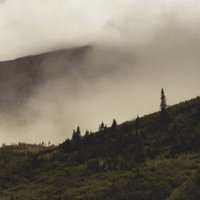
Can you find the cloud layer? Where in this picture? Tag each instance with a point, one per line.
(31, 26)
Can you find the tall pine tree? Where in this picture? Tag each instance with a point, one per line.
(163, 104)
(114, 124)
(101, 126)
(137, 123)
(76, 134)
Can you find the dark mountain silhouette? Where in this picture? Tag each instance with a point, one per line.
(20, 77)
(142, 159)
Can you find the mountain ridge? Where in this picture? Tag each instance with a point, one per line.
(63, 50)
(20, 77)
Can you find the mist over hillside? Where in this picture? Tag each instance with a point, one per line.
(23, 80)
(20, 78)
(99, 100)
(42, 94)
(46, 96)
(125, 52)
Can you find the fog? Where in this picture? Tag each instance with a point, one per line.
(137, 47)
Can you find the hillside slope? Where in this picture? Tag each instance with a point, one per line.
(19, 78)
(144, 159)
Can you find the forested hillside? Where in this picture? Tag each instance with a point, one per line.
(155, 157)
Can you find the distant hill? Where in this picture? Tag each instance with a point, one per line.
(20, 77)
(150, 158)
(25, 148)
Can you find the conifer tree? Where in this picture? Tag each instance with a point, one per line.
(163, 104)
(87, 133)
(114, 124)
(74, 135)
(102, 126)
(137, 122)
(78, 132)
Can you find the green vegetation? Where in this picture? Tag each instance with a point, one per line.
(155, 157)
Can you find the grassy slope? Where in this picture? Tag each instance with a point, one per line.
(162, 177)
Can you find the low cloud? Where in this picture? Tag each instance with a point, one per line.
(138, 47)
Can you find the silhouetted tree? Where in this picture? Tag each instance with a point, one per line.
(101, 126)
(76, 134)
(87, 133)
(86, 138)
(137, 122)
(114, 124)
(163, 104)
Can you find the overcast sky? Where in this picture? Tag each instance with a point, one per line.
(32, 26)
(140, 46)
